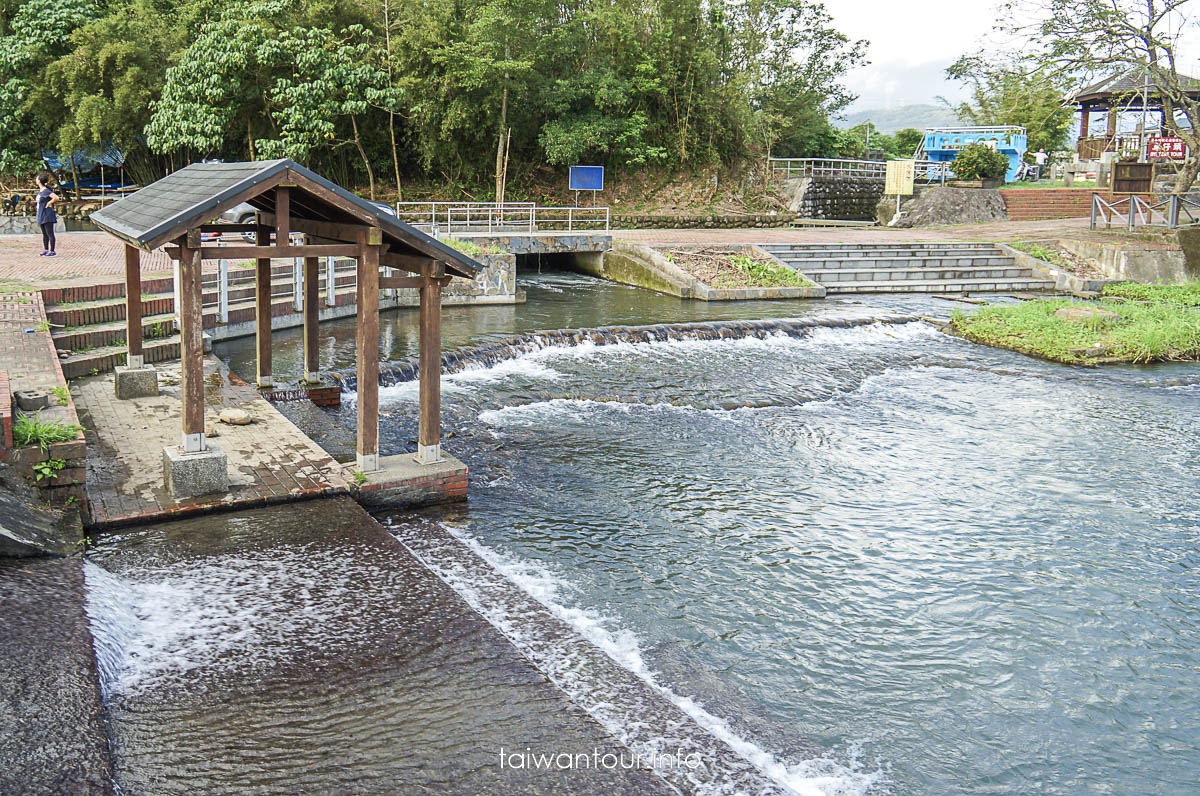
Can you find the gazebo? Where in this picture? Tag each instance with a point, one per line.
(1132, 90)
(175, 211)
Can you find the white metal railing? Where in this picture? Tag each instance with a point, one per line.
(926, 170)
(1139, 212)
(995, 129)
(487, 217)
(828, 167)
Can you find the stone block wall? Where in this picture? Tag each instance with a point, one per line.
(25, 225)
(842, 198)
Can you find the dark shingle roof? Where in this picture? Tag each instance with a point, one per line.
(1127, 84)
(195, 195)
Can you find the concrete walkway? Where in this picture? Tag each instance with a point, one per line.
(270, 460)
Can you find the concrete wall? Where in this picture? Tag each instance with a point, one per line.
(1117, 261)
(1064, 281)
(556, 243)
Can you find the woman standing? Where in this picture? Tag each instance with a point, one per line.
(46, 217)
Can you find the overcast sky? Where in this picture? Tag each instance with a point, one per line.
(913, 41)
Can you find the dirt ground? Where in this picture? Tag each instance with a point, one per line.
(711, 265)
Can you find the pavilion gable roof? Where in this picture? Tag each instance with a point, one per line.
(184, 200)
(1125, 84)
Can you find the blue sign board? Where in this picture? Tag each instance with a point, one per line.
(587, 178)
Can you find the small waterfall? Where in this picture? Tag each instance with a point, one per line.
(488, 354)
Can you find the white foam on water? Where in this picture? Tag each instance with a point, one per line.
(406, 392)
(823, 776)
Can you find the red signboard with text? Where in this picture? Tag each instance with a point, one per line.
(1166, 148)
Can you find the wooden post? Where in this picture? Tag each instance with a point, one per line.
(1085, 115)
(1112, 129)
(191, 343)
(133, 308)
(368, 351)
(283, 215)
(262, 309)
(312, 358)
(429, 447)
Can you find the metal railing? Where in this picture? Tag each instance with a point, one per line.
(440, 218)
(1139, 212)
(926, 170)
(828, 167)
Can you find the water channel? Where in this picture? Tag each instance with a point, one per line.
(871, 560)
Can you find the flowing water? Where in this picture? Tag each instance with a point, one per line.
(869, 559)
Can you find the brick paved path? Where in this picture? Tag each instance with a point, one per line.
(270, 460)
(83, 258)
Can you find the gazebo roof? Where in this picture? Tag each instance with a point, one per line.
(1129, 83)
(183, 200)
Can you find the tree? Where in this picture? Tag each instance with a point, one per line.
(1015, 90)
(1083, 38)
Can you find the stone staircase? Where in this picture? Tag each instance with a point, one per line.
(89, 322)
(908, 267)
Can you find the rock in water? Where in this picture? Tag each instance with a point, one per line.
(235, 417)
(1084, 314)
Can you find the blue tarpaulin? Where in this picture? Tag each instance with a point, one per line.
(109, 155)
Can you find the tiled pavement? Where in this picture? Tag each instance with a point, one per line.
(270, 460)
(83, 258)
(27, 353)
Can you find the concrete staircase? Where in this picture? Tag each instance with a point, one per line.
(908, 267)
(89, 322)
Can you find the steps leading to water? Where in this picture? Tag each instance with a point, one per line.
(908, 267)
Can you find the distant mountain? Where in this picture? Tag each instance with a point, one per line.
(889, 120)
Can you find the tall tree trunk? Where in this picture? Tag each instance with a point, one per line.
(250, 139)
(387, 40)
(363, 154)
(500, 138)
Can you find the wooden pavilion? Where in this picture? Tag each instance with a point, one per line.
(330, 221)
(1129, 91)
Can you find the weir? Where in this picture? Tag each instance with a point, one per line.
(487, 354)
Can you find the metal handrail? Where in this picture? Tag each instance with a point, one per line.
(490, 217)
(928, 170)
(1138, 209)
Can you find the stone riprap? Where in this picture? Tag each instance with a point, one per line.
(848, 198)
(25, 225)
(937, 205)
(487, 354)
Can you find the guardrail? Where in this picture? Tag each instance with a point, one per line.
(1139, 212)
(926, 170)
(483, 217)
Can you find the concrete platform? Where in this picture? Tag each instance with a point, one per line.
(403, 483)
(269, 461)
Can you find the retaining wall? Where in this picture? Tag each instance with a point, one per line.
(1122, 262)
(834, 197)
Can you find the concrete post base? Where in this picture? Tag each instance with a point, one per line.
(400, 483)
(188, 475)
(136, 382)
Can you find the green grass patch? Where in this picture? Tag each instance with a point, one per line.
(1043, 253)
(470, 247)
(1140, 333)
(760, 274)
(1175, 295)
(32, 430)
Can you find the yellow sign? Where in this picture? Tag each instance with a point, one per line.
(900, 174)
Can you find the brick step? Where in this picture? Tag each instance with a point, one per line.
(109, 290)
(105, 310)
(106, 358)
(829, 276)
(898, 262)
(111, 333)
(942, 286)
(918, 245)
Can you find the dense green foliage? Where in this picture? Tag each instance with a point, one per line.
(1143, 332)
(979, 162)
(371, 89)
(1016, 91)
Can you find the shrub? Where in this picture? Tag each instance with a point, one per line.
(32, 430)
(979, 162)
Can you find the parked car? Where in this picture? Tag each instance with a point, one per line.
(244, 214)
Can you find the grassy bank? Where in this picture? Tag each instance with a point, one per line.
(1150, 323)
(734, 268)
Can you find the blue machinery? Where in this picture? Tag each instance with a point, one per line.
(941, 144)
